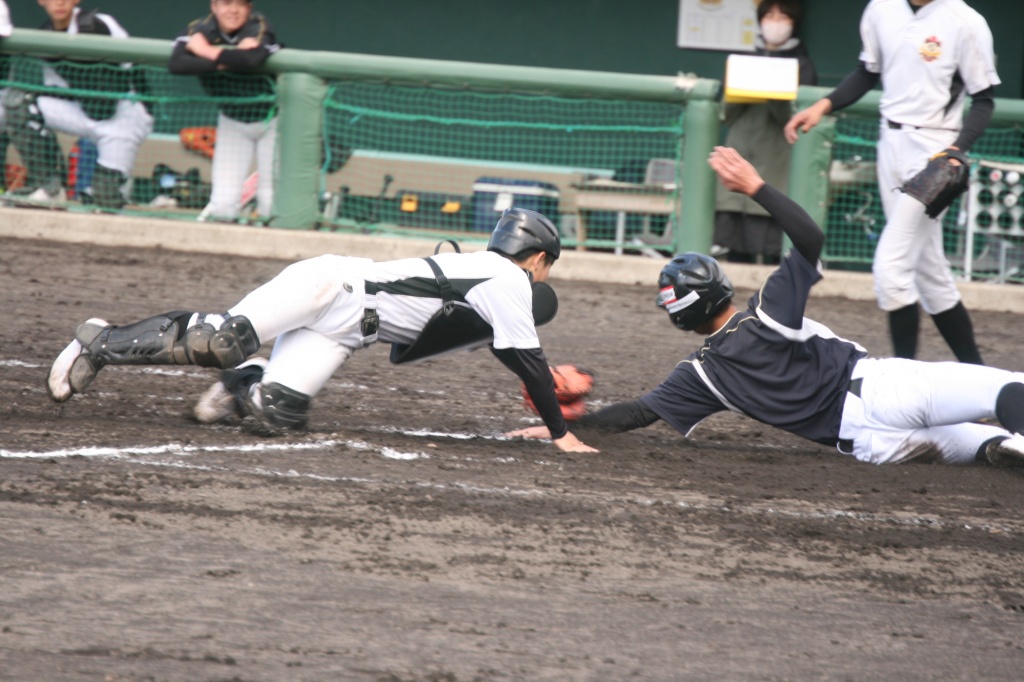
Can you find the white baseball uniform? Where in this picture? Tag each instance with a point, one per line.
(118, 136)
(315, 308)
(928, 61)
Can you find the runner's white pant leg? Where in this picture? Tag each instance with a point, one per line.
(909, 409)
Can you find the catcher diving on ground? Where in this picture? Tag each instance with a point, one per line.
(772, 364)
(321, 310)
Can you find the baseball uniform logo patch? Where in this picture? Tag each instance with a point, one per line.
(932, 49)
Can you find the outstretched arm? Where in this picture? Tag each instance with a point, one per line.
(633, 414)
(531, 366)
(738, 175)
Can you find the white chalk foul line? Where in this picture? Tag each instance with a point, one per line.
(188, 450)
(132, 455)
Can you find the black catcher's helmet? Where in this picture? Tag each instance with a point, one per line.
(693, 288)
(519, 229)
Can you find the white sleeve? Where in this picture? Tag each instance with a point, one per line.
(977, 63)
(508, 307)
(116, 29)
(870, 52)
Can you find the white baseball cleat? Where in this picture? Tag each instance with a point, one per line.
(1008, 451)
(218, 402)
(74, 369)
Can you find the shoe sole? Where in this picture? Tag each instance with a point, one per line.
(58, 380)
(215, 405)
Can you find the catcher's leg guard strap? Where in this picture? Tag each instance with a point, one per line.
(228, 346)
(282, 407)
(167, 340)
(148, 342)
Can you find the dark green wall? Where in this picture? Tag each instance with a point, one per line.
(636, 36)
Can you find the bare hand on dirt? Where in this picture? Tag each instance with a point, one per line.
(567, 443)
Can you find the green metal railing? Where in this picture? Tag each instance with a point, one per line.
(302, 87)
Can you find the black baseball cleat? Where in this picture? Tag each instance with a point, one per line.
(225, 399)
(1006, 452)
(74, 369)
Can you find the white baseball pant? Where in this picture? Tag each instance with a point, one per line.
(909, 409)
(910, 262)
(237, 142)
(314, 308)
(117, 138)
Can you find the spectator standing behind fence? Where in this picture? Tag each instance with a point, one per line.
(928, 55)
(742, 225)
(117, 126)
(234, 38)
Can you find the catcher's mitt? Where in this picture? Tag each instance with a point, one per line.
(570, 411)
(941, 182)
(572, 385)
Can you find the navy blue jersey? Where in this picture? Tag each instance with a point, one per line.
(768, 362)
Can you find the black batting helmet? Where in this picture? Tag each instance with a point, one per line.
(693, 289)
(520, 229)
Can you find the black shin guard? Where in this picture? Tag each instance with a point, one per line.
(167, 340)
(956, 328)
(903, 326)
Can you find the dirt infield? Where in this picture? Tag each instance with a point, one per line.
(402, 539)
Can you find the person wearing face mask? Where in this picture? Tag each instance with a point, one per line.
(742, 226)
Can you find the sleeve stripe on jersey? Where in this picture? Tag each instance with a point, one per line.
(714, 389)
(809, 330)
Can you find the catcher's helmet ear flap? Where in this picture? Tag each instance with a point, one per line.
(693, 288)
(519, 229)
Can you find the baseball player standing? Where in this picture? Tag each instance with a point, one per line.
(771, 363)
(321, 310)
(117, 126)
(928, 55)
(223, 48)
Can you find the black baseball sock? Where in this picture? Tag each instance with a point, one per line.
(1010, 407)
(903, 325)
(956, 328)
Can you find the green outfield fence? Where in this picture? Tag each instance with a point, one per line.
(833, 177)
(419, 147)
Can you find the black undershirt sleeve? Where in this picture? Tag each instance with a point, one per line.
(619, 417)
(244, 60)
(184, 63)
(856, 85)
(982, 105)
(532, 368)
(805, 234)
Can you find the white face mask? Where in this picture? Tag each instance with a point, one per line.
(776, 32)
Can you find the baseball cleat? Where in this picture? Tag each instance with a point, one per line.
(224, 399)
(74, 369)
(1007, 452)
